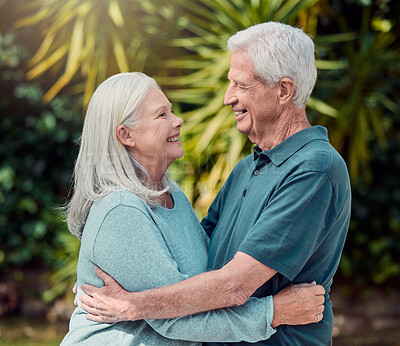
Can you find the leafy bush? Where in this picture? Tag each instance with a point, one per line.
(372, 250)
(365, 93)
(36, 159)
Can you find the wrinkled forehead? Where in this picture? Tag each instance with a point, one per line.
(154, 101)
(241, 69)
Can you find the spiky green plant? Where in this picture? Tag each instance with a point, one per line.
(363, 91)
(212, 142)
(85, 41)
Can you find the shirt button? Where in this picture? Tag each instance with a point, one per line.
(256, 172)
(244, 192)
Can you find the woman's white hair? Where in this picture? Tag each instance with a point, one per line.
(104, 164)
(276, 51)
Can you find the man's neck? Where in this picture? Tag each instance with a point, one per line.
(288, 124)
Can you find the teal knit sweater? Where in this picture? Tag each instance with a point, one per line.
(143, 248)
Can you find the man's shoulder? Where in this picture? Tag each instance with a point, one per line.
(320, 156)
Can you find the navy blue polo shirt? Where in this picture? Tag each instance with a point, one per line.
(289, 208)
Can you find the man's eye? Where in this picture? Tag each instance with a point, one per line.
(163, 115)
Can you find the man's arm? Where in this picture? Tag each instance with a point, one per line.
(231, 285)
(295, 305)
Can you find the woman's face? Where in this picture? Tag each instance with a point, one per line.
(156, 135)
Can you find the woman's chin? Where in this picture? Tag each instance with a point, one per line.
(175, 157)
(179, 153)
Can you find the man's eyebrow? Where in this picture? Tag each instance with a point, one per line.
(232, 80)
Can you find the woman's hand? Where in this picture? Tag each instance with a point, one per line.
(107, 304)
(299, 304)
(75, 291)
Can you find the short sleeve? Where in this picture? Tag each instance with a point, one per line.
(130, 248)
(293, 224)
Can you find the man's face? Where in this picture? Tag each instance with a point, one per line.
(255, 104)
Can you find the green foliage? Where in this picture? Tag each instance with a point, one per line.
(365, 93)
(363, 90)
(85, 41)
(36, 158)
(64, 259)
(372, 251)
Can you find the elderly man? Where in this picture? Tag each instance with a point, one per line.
(282, 215)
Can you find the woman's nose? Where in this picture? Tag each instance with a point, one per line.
(177, 122)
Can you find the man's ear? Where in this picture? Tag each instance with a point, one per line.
(125, 136)
(286, 87)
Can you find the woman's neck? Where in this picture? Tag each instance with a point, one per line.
(151, 180)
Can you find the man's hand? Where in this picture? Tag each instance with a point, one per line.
(108, 304)
(299, 304)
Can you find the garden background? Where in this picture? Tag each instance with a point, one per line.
(53, 53)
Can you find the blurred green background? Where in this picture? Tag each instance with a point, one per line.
(53, 54)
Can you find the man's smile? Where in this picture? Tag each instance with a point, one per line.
(240, 114)
(173, 139)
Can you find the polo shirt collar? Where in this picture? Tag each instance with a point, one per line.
(289, 146)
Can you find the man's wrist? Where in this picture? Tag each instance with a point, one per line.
(276, 318)
(134, 306)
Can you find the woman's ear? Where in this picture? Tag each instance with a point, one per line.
(125, 136)
(286, 90)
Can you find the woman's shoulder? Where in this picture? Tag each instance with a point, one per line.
(117, 200)
(120, 198)
(116, 204)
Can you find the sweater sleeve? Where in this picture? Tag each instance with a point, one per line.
(130, 247)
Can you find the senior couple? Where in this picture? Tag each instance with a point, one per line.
(246, 273)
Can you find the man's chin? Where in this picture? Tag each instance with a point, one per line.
(242, 129)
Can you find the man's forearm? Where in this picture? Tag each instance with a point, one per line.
(229, 286)
(207, 291)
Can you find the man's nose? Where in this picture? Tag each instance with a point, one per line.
(229, 97)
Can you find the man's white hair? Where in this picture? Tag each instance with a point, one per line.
(104, 164)
(276, 51)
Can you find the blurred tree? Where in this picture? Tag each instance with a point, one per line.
(366, 131)
(85, 41)
(364, 89)
(36, 159)
(372, 250)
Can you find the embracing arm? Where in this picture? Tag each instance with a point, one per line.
(231, 285)
(294, 305)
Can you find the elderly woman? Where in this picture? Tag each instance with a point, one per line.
(139, 227)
